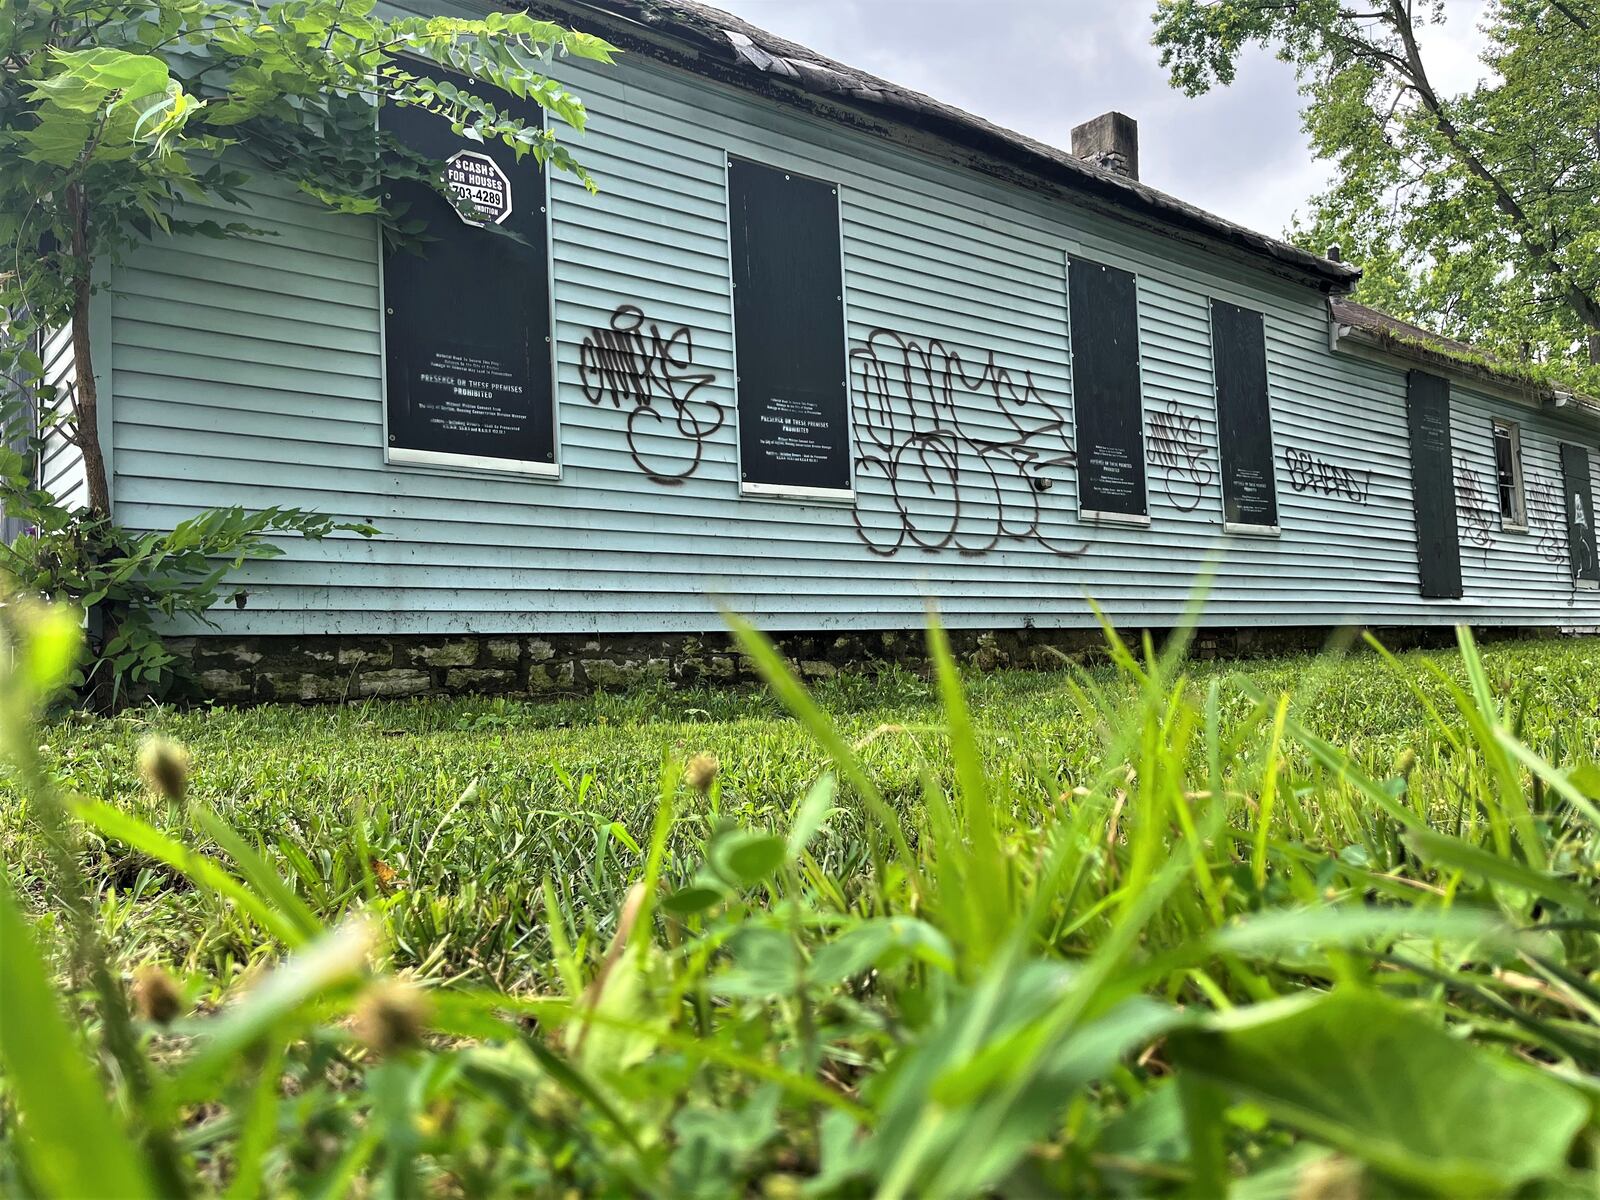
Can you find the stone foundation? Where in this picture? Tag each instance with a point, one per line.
(254, 670)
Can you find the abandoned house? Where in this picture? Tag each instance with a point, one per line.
(819, 349)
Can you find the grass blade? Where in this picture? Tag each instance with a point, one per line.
(199, 869)
(258, 872)
(52, 1084)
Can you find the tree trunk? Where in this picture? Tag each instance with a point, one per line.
(1594, 349)
(85, 395)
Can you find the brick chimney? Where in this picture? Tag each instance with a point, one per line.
(1111, 141)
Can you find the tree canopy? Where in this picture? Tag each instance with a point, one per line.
(1476, 213)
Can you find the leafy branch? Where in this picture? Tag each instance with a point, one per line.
(1475, 211)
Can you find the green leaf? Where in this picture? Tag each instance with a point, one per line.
(1367, 1076)
(1150, 1129)
(746, 859)
(49, 651)
(764, 964)
(1452, 853)
(74, 1144)
(814, 810)
(695, 898)
(880, 943)
(1586, 778)
(105, 69)
(994, 1076)
(395, 1088)
(1290, 930)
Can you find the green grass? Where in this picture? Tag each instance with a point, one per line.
(570, 789)
(1049, 964)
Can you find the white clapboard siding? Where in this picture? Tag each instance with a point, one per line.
(249, 372)
(60, 462)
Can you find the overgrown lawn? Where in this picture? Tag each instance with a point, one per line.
(1039, 950)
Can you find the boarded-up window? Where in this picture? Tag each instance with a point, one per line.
(1433, 490)
(467, 309)
(1108, 410)
(788, 318)
(1582, 545)
(1244, 416)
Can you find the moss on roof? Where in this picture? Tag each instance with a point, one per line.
(1538, 380)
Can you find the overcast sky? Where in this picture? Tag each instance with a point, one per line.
(1042, 66)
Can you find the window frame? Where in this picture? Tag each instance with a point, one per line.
(1517, 521)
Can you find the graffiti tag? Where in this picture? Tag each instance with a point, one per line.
(1308, 473)
(1478, 515)
(637, 365)
(1548, 516)
(1177, 446)
(952, 484)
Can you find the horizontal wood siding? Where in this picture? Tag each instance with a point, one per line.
(60, 462)
(249, 372)
(1511, 563)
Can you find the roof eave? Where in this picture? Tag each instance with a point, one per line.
(1498, 382)
(735, 53)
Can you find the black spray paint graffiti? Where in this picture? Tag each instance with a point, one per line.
(1475, 510)
(638, 365)
(1308, 473)
(1478, 512)
(1177, 446)
(1547, 515)
(950, 484)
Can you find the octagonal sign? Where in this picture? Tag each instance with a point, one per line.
(480, 189)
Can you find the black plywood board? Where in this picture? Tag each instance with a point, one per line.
(1107, 406)
(1244, 415)
(467, 312)
(788, 307)
(1433, 489)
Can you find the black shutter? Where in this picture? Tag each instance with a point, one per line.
(1433, 486)
(1108, 409)
(1581, 534)
(788, 320)
(467, 320)
(1244, 415)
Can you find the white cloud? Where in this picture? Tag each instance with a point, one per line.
(1451, 51)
